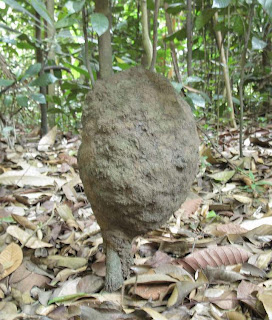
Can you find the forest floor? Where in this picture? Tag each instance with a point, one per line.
(212, 260)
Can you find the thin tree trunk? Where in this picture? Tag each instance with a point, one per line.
(51, 56)
(155, 34)
(189, 27)
(40, 58)
(86, 46)
(172, 45)
(104, 41)
(147, 58)
(242, 78)
(226, 74)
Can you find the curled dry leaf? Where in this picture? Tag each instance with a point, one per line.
(10, 259)
(214, 257)
(23, 237)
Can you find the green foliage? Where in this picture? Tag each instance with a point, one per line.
(204, 89)
(100, 23)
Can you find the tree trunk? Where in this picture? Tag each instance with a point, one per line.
(40, 58)
(242, 77)
(226, 74)
(172, 45)
(147, 57)
(86, 43)
(189, 29)
(51, 58)
(155, 34)
(104, 41)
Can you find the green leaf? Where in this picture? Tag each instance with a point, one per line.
(22, 100)
(41, 10)
(194, 79)
(32, 71)
(15, 5)
(78, 69)
(44, 80)
(74, 6)
(38, 97)
(211, 214)
(204, 17)
(6, 83)
(235, 100)
(197, 99)
(238, 25)
(178, 86)
(179, 35)
(263, 183)
(8, 100)
(221, 3)
(67, 298)
(222, 176)
(175, 8)
(267, 6)
(100, 23)
(258, 44)
(66, 22)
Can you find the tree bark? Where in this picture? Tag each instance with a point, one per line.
(40, 59)
(86, 46)
(242, 78)
(172, 45)
(104, 41)
(147, 58)
(155, 34)
(226, 74)
(51, 57)
(189, 27)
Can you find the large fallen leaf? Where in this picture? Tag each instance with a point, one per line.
(48, 140)
(266, 298)
(214, 257)
(68, 262)
(29, 177)
(252, 224)
(23, 236)
(222, 176)
(10, 259)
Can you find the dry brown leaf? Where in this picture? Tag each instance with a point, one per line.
(223, 299)
(23, 221)
(150, 278)
(153, 292)
(214, 257)
(10, 258)
(188, 208)
(230, 228)
(23, 236)
(159, 258)
(266, 298)
(48, 140)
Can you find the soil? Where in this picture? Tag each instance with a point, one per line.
(139, 155)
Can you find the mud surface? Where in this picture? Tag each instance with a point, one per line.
(138, 156)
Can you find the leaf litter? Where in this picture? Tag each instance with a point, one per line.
(211, 260)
